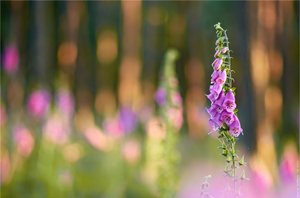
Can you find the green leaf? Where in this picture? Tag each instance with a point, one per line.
(229, 159)
(225, 153)
(242, 161)
(220, 135)
(218, 27)
(220, 40)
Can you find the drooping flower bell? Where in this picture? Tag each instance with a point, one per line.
(217, 63)
(219, 77)
(229, 102)
(235, 127)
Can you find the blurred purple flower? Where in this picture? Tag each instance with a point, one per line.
(11, 59)
(38, 103)
(288, 165)
(217, 63)
(161, 96)
(235, 127)
(229, 102)
(287, 171)
(113, 127)
(128, 119)
(65, 102)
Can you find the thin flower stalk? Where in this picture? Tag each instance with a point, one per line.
(170, 112)
(223, 110)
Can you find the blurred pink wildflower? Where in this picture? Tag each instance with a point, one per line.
(38, 103)
(23, 140)
(65, 102)
(11, 59)
(57, 130)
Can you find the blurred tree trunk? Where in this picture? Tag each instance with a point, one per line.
(194, 72)
(84, 73)
(129, 90)
(105, 36)
(153, 46)
(290, 78)
(247, 104)
(43, 37)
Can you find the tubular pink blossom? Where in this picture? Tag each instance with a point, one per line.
(235, 127)
(220, 98)
(216, 87)
(229, 102)
(227, 117)
(213, 126)
(224, 50)
(217, 53)
(214, 92)
(219, 77)
(217, 63)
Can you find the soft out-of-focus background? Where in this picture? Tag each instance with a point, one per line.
(77, 94)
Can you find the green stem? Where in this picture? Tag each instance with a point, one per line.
(229, 60)
(234, 165)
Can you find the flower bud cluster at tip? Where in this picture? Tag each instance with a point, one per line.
(223, 107)
(167, 95)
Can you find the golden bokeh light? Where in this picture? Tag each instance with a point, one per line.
(129, 87)
(73, 152)
(259, 65)
(273, 104)
(67, 54)
(105, 102)
(276, 65)
(107, 47)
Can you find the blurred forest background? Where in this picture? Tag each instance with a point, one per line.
(71, 70)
